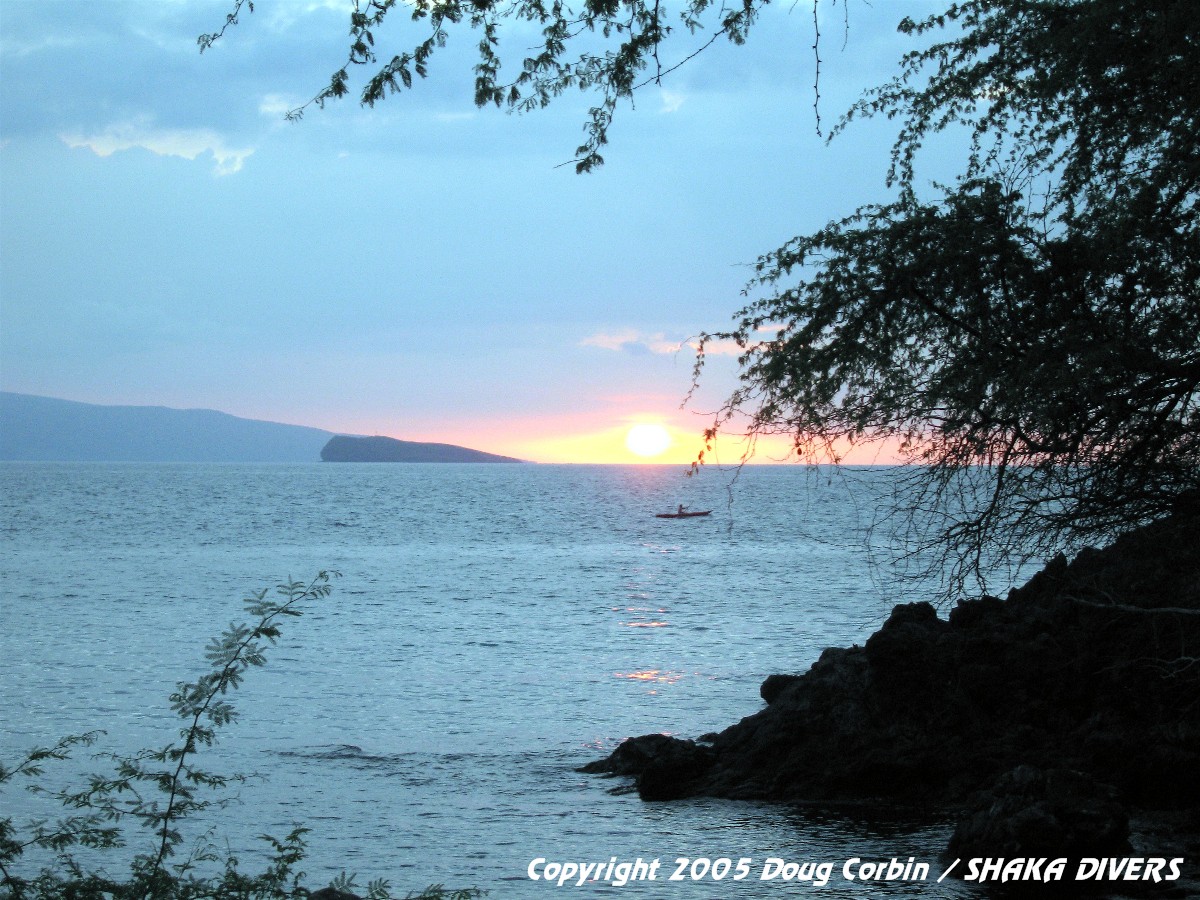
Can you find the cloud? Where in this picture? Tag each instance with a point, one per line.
(762, 334)
(727, 347)
(631, 341)
(671, 100)
(10, 47)
(187, 143)
(276, 106)
(720, 348)
(639, 343)
(286, 15)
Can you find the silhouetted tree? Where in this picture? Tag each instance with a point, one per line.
(1031, 334)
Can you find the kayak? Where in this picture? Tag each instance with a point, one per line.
(682, 515)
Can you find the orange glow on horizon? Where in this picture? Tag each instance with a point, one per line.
(575, 439)
(638, 442)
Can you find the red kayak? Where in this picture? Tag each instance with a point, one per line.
(682, 515)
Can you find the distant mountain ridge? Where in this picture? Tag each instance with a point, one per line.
(47, 429)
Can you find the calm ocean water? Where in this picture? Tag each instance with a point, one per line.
(493, 628)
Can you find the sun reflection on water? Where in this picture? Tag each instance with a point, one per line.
(651, 675)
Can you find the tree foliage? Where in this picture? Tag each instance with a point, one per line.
(1028, 335)
(609, 48)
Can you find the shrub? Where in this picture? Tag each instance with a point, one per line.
(158, 790)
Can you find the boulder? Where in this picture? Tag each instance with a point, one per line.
(776, 685)
(666, 768)
(1032, 812)
(332, 893)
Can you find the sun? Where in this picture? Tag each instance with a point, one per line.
(648, 440)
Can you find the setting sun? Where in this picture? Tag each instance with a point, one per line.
(648, 440)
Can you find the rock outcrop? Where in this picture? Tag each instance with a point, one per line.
(1051, 813)
(1091, 669)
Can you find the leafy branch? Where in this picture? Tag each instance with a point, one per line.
(620, 45)
(239, 648)
(160, 789)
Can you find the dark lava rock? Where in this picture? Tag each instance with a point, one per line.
(776, 685)
(666, 768)
(632, 755)
(332, 893)
(1086, 668)
(1052, 813)
(674, 772)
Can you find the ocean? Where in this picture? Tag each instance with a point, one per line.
(492, 628)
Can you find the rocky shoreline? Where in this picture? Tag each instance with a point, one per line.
(1046, 719)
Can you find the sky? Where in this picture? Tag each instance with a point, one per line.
(423, 269)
